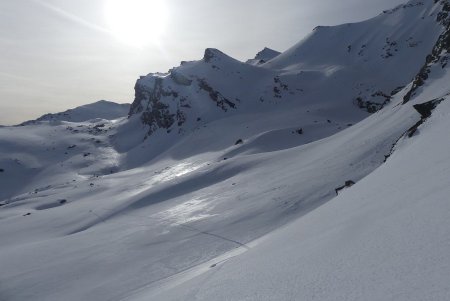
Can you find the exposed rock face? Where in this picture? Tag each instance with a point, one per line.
(348, 183)
(209, 54)
(439, 56)
(218, 98)
(425, 110)
(167, 101)
(155, 113)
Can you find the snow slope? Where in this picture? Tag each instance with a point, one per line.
(240, 203)
(386, 238)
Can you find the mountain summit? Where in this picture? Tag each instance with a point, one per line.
(263, 56)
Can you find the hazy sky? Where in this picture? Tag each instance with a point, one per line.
(57, 54)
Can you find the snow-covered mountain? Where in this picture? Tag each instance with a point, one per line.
(319, 174)
(263, 56)
(366, 62)
(98, 110)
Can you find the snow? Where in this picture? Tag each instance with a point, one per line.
(385, 238)
(263, 56)
(362, 63)
(98, 110)
(103, 209)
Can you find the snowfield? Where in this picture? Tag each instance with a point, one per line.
(321, 173)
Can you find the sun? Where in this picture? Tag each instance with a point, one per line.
(136, 22)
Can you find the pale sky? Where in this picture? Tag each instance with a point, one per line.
(58, 54)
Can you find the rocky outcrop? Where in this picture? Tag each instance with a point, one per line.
(347, 184)
(154, 113)
(221, 101)
(425, 110)
(440, 53)
(164, 101)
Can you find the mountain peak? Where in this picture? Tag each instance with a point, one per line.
(212, 53)
(263, 56)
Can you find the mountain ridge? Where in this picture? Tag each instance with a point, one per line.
(286, 76)
(102, 109)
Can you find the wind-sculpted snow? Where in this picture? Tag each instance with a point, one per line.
(240, 181)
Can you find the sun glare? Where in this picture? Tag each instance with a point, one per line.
(136, 22)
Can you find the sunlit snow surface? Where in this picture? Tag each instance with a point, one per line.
(92, 211)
